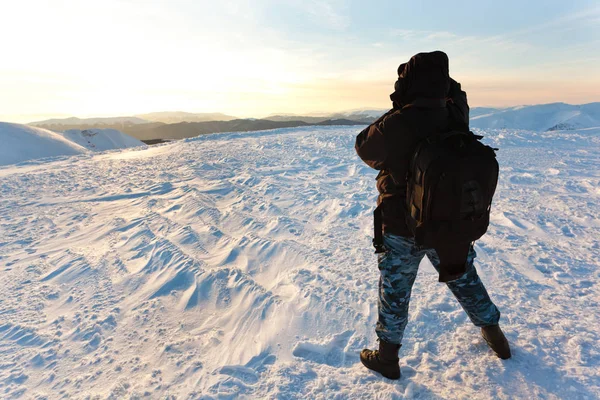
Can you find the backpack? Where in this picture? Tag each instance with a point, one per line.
(450, 185)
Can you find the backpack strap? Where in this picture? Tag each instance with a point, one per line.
(378, 230)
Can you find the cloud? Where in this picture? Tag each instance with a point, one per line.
(586, 17)
(327, 13)
(451, 39)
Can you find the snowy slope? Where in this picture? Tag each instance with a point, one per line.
(239, 265)
(101, 139)
(20, 143)
(542, 117)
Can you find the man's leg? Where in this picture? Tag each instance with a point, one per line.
(471, 293)
(398, 269)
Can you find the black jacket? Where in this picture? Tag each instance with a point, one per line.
(426, 101)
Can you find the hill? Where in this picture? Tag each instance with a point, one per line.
(153, 131)
(365, 116)
(184, 130)
(356, 116)
(23, 143)
(101, 139)
(543, 117)
(192, 129)
(303, 118)
(540, 117)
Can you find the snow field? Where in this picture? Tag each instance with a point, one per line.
(240, 265)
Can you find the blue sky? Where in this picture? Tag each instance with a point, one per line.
(254, 58)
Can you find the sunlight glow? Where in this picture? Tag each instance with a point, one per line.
(257, 58)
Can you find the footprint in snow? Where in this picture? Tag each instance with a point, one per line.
(244, 374)
(249, 374)
(331, 353)
(567, 231)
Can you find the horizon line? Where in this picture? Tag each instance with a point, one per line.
(62, 116)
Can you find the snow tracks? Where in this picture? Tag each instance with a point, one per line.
(239, 265)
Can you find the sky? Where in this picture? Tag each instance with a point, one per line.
(254, 58)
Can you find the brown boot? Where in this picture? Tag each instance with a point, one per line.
(385, 360)
(496, 340)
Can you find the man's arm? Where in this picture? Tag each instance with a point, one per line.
(370, 143)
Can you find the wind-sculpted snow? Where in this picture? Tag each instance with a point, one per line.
(239, 265)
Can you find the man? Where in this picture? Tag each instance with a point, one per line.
(426, 101)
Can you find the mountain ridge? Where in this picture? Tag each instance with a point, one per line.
(540, 117)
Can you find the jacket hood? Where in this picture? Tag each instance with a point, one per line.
(424, 76)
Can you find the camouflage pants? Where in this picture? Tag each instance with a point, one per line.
(398, 267)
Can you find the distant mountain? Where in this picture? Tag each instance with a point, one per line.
(356, 116)
(179, 125)
(191, 129)
(303, 118)
(172, 117)
(479, 111)
(184, 130)
(366, 116)
(165, 117)
(543, 117)
(341, 121)
(90, 121)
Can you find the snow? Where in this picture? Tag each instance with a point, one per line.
(21, 143)
(101, 139)
(240, 266)
(541, 117)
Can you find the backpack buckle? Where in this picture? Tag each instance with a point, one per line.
(379, 247)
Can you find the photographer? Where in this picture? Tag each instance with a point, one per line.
(426, 101)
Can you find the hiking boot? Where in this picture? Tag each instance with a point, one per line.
(385, 360)
(496, 340)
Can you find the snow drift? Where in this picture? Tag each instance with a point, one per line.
(20, 143)
(101, 139)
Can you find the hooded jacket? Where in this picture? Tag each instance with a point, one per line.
(426, 101)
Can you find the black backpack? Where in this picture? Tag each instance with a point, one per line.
(450, 185)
